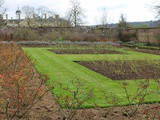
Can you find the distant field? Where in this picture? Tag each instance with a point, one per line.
(61, 68)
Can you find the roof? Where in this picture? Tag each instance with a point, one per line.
(16, 20)
(18, 12)
(51, 19)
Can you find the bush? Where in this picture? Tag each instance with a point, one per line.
(90, 37)
(83, 37)
(128, 36)
(26, 34)
(7, 34)
(75, 36)
(12, 34)
(20, 90)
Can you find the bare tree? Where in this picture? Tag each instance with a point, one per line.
(41, 15)
(29, 12)
(76, 13)
(3, 8)
(157, 9)
(2, 11)
(103, 17)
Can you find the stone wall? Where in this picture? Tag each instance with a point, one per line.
(147, 35)
(150, 35)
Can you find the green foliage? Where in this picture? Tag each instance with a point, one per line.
(124, 35)
(122, 25)
(27, 34)
(59, 39)
(2, 22)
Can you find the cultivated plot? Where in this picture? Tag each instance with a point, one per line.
(62, 69)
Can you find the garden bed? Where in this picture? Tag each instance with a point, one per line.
(156, 52)
(125, 70)
(61, 69)
(146, 111)
(86, 51)
(26, 79)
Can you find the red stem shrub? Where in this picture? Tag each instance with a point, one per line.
(20, 89)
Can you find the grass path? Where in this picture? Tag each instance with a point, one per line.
(62, 69)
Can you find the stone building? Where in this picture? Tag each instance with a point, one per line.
(52, 21)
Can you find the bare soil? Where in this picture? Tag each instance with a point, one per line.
(156, 52)
(85, 51)
(125, 70)
(47, 109)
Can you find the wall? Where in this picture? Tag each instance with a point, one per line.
(147, 35)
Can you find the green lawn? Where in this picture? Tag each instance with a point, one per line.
(62, 69)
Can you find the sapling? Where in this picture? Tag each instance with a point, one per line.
(136, 100)
(75, 98)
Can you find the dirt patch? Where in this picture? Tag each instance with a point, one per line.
(119, 113)
(125, 70)
(85, 51)
(47, 109)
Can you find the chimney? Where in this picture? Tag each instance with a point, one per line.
(45, 15)
(33, 15)
(57, 17)
(19, 16)
(57, 20)
(7, 17)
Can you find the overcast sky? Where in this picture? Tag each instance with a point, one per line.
(134, 10)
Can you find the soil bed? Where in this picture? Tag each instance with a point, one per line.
(157, 52)
(85, 51)
(125, 70)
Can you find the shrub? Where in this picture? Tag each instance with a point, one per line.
(76, 36)
(90, 37)
(26, 34)
(128, 36)
(20, 89)
(75, 98)
(11, 34)
(7, 34)
(83, 37)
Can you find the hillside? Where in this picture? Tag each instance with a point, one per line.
(137, 24)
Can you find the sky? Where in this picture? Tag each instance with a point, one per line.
(133, 10)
